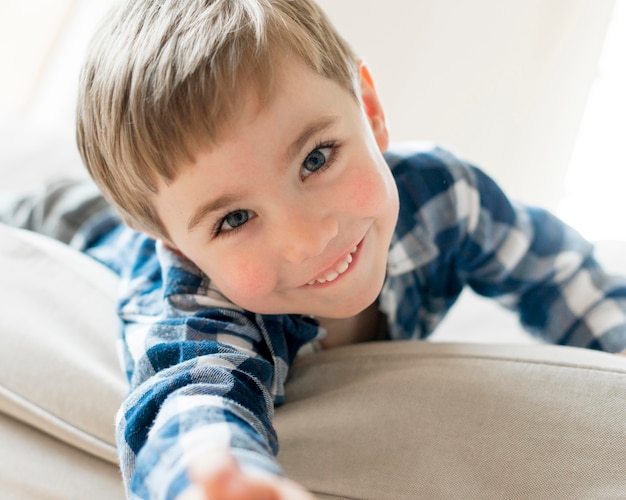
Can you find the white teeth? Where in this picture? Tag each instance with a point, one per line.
(340, 269)
(332, 276)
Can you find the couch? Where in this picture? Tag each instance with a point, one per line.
(480, 412)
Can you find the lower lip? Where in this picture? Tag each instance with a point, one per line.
(355, 259)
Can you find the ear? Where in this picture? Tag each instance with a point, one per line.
(373, 108)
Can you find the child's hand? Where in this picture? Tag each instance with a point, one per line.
(223, 479)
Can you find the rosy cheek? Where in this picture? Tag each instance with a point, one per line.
(367, 192)
(246, 282)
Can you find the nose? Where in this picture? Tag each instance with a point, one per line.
(305, 232)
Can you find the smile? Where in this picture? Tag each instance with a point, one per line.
(341, 268)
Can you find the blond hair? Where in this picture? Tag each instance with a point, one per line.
(163, 77)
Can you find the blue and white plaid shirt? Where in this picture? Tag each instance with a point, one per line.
(205, 375)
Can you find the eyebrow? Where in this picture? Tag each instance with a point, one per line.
(204, 210)
(311, 129)
(293, 150)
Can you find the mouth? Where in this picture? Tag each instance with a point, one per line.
(341, 267)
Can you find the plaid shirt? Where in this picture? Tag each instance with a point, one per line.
(205, 375)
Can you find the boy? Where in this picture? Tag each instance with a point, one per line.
(243, 142)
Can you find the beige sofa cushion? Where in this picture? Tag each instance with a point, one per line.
(60, 383)
(426, 420)
(370, 421)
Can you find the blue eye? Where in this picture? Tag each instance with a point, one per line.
(317, 159)
(233, 220)
(236, 219)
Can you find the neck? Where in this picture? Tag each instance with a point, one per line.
(360, 328)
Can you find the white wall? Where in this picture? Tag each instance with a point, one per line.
(501, 82)
(29, 30)
(42, 46)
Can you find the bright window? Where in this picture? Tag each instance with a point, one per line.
(595, 201)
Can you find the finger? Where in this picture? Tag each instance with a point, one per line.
(219, 477)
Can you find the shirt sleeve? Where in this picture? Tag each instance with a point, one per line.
(204, 375)
(469, 233)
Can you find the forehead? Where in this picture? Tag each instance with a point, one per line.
(268, 131)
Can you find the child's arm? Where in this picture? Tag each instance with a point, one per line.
(204, 378)
(467, 232)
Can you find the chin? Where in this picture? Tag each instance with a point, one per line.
(353, 306)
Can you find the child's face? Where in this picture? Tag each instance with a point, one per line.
(274, 211)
